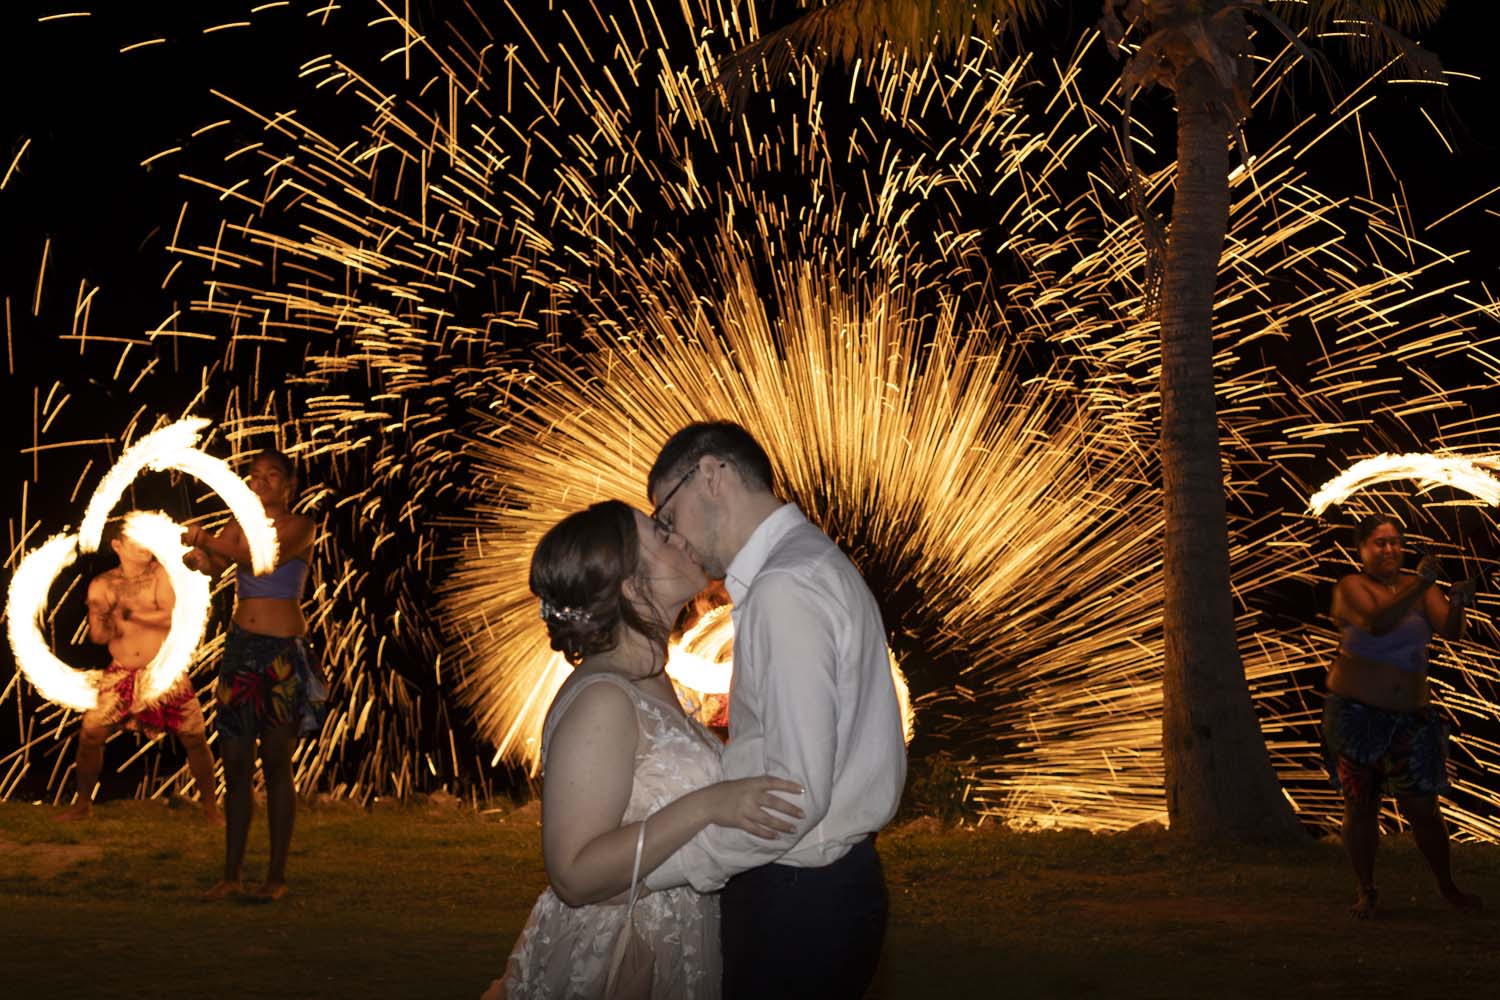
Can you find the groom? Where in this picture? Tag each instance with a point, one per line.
(813, 701)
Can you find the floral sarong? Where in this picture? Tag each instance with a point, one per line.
(176, 711)
(266, 681)
(1365, 748)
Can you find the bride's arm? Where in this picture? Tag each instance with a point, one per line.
(590, 772)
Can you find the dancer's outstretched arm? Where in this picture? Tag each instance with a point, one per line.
(294, 536)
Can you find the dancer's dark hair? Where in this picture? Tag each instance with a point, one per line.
(1367, 525)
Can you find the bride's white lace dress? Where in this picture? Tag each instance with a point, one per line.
(564, 951)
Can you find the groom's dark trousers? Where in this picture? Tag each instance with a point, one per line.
(805, 932)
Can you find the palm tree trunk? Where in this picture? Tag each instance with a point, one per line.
(1218, 775)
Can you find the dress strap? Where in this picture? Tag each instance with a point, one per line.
(565, 701)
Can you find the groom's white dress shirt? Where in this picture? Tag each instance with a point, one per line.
(811, 700)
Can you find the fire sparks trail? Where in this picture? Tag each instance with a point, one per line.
(506, 263)
(174, 447)
(25, 603)
(1428, 471)
(171, 447)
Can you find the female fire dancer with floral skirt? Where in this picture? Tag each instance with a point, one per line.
(1380, 729)
(268, 689)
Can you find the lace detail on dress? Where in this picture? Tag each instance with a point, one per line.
(564, 951)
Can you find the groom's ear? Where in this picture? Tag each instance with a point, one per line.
(712, 468)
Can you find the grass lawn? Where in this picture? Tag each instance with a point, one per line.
(426, 902)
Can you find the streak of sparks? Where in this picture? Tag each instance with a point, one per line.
(14, 163)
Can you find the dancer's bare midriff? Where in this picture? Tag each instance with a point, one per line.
(275, 616)
(1377, 684)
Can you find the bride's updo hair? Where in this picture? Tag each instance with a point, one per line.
(579, 569)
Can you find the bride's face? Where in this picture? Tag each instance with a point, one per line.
(672, 575)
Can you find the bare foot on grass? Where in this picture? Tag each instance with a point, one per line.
(1462, 900)
(222, 889)
(268, 892)
(211, 815)
(80, 810)
(1364, 906)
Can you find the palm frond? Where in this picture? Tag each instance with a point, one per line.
(847, 31)
(1401, 15)
(1374, 31)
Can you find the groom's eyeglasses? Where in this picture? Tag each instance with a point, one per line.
(656, 514)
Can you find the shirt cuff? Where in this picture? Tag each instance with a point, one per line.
(689, 866)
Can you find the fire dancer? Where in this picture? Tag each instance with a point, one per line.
(268, 689)
(130, 610)
(1380, 729)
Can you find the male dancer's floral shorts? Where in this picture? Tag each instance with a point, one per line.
(266, 681)
(176, 711)
(1365, 748)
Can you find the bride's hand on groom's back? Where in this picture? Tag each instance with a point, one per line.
(750, 804)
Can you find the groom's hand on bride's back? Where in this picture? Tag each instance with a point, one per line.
(750, 804)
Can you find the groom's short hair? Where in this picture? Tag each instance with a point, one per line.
(722, 439)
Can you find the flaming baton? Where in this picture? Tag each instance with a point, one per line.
(175, 447)
(171, 447)
(1428, 470)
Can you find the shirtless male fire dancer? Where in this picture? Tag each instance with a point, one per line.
(130, 609)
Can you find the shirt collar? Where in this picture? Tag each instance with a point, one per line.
(752, 555)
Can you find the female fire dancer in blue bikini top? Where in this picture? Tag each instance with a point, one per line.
(268, 689)
(1379, 727)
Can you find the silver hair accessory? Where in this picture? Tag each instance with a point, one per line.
(563, 614)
